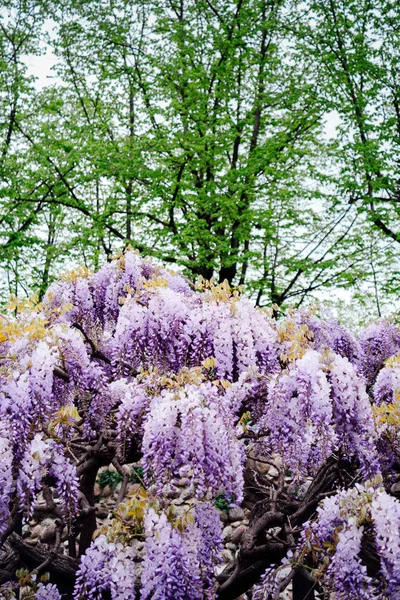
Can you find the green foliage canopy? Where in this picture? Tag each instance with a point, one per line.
(195, 131)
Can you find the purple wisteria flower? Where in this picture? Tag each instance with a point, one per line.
(385, 513)
(6, 475)
(67, 483)
(177, 561)
(190, 429)
(167, 573)
(298, 416)
(42, 362)
(133, 400)
(44, 457)
(210, 546)
(32, 470)
(254, 339)
(378, 341)
(27, 394)
(387, 385)
(329, 333)
(47, 592)
(346, 574)
(335, 539)
(353, 415)
(106, 566)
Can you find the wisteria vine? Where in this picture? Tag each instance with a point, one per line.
(223, 414)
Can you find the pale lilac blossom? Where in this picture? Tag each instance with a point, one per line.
(106, 566)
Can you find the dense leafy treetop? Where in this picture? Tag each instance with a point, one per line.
(196, 131)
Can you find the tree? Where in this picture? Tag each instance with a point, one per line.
(30, 218)
(217, 412)
(357, 49)
(191, 131)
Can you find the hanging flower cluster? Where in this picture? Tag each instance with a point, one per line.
(378, 342)
(179, 564)
(28, 407)
(328, 333)
(347, 523)
(106, 567)
(6, 475)
(189, 432)
(44, 458)
(299, 417)
(353, 415)
(387, 385)
(47, 592)
(316, 407)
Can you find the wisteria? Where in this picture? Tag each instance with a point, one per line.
(179, 563)
(299, 413)
(316, 407)
(168, 570)
(6, 475)
(328, 333)
(133, 400)
(344, 525)
(164, 439)
(346, 573)
(187, 432)
(379, 341)
(33, 469)
(106, 566)
(47, 592)
(387, 385)
(385, 513)
(209, 547)
(353, 415)
(43, 458)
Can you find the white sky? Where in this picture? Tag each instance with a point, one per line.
(40, 68)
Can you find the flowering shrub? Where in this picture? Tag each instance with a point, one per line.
(202, 397)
